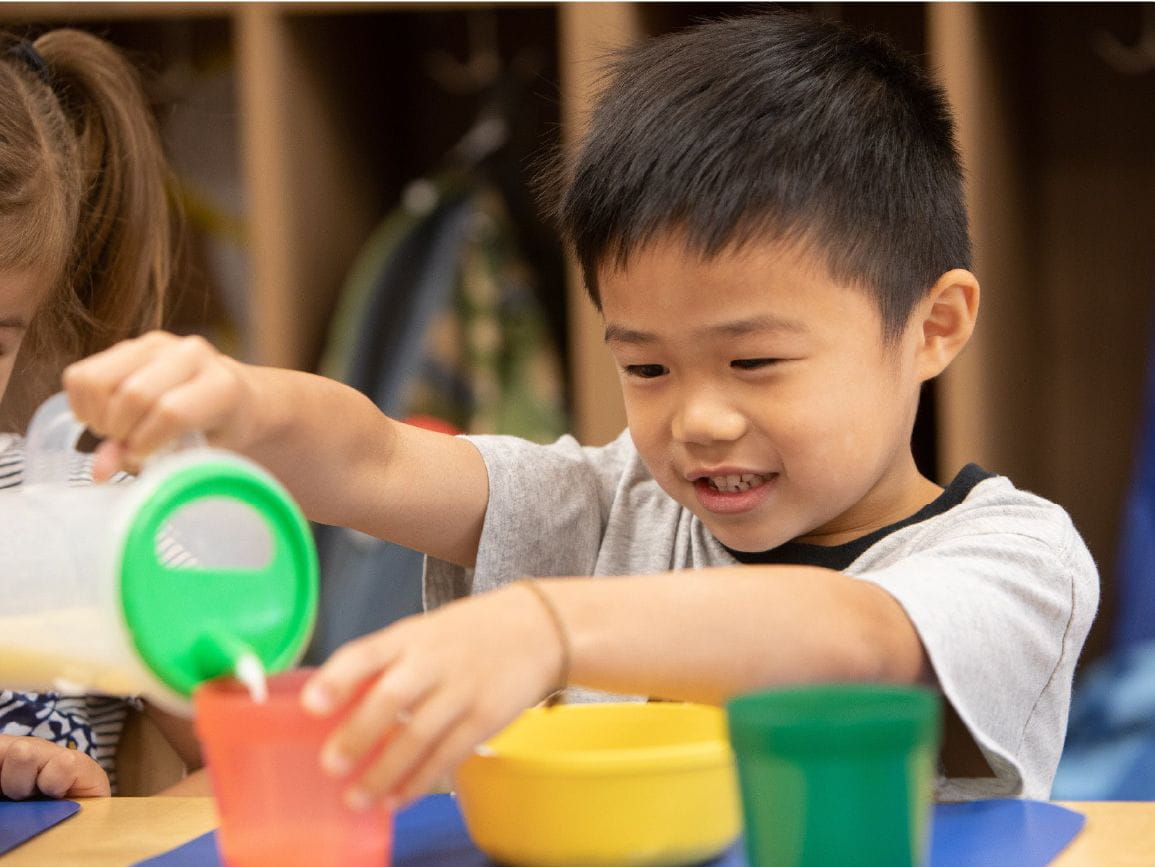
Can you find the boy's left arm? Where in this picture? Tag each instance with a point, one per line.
(448, 680)
(707, 635)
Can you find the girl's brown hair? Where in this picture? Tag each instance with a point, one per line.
(83, 202)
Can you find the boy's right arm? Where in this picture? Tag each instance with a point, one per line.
(344, 461)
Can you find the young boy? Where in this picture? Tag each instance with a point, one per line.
(769, 213)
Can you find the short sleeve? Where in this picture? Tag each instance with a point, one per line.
(547, 513)
(1002, 608)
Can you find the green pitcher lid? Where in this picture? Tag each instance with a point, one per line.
(190, 622)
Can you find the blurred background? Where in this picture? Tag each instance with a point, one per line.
(357, 183)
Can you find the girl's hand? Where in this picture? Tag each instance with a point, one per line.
(441, 683)
(142, 394)
(31, 767)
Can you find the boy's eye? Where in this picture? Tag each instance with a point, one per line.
(645, 371)
(752, 363)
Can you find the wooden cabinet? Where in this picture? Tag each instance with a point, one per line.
(1058, 135)
(332, 110)
(330, 113)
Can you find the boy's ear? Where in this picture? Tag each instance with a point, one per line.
(945, 320)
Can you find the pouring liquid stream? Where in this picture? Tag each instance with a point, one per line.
(251, 673)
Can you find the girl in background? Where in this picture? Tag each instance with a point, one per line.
(85, 260)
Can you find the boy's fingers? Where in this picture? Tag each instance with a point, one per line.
(108, 459)
(388, 702)
(91, 381)
(407, 744)
(193, 405)
(136, 395)
(445, 757)
(346, 670)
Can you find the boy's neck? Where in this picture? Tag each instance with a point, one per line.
(900, 494)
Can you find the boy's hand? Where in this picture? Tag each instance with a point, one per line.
(441, 684)
(31, 766)
(144, 393)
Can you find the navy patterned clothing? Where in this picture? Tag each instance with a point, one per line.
(90, 723)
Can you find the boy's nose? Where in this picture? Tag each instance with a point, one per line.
(705, 420)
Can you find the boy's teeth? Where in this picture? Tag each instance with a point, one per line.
(735, 483)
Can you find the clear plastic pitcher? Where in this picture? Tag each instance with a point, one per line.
(150, 586)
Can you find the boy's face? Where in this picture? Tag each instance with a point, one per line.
(760, 394)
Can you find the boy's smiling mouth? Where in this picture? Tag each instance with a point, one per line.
(731, 493)
(733, 483)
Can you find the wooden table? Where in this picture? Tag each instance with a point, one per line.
(116, 831)
(113, 832)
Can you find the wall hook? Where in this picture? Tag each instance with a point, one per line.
(1129, 59)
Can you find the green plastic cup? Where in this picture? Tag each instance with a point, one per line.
(836, 774)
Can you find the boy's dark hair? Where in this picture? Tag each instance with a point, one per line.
(774, 127)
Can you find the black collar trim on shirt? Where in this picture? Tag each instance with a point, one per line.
(839, 557)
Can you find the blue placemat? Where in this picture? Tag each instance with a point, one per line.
(23, 820)
(1018, 833)
(431, 833)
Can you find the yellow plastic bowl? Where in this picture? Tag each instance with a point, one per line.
(601, 784)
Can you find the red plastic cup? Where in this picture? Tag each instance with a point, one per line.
(277, 808)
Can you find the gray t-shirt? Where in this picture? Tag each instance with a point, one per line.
(997, 581)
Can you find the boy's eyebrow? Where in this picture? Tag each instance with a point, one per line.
(16, 322)
(755, 325)
(737, 328)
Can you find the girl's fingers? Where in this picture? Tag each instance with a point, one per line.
(19, 766)
(57, 776)
(406, 745)
(72, 774)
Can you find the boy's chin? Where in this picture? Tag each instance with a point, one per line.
(750, 542)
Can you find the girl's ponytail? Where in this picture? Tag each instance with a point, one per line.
(119, 265)
(83, 204)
